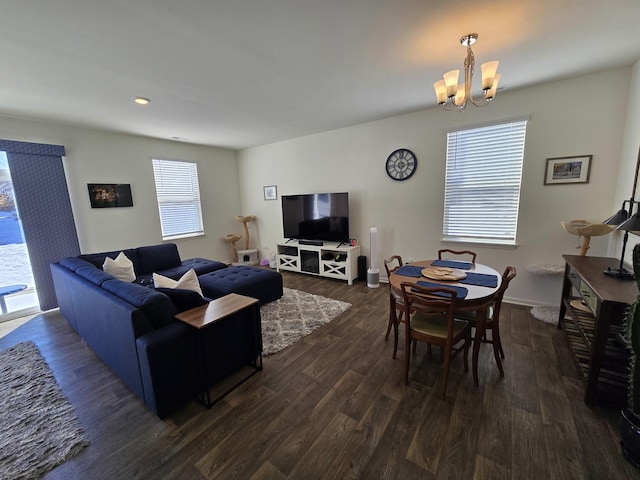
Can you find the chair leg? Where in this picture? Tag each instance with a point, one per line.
(395, 337)
(445, 375)
(496, 354)
(496, 339)
(392, 314)
(407, 353)
(467, 342)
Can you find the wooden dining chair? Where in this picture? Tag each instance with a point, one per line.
(396, 302)
(446, 254)
(492, 322)
(431, 318)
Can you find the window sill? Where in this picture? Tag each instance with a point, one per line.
(509, 245)
(185, 235)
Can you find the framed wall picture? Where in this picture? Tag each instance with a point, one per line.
(270, 192)
(563, 170)
(108, 195)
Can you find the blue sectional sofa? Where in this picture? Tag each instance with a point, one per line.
(131, 326)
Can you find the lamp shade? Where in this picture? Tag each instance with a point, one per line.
(451, 82)
(630, 225)
(441, 92)
(489, 70)
(460, 98)
(492, 91)
(617, 218)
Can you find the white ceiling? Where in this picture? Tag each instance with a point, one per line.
(240, 73)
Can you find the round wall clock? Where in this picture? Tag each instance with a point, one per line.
(401, 164)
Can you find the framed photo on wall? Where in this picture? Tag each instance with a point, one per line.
(270, 192)
(108, 195)
(563, 170)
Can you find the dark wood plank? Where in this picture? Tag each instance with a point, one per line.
(334, 405)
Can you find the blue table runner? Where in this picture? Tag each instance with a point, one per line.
(409, 271)
(461, 291)
(481, 280)
(452, 264)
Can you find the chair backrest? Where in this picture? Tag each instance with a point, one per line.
(446, 253)
(392, 263)
(430, 302)
(508, 275)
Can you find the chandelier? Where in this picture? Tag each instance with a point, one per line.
(453, 96)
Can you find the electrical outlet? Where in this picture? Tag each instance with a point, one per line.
(265, 247)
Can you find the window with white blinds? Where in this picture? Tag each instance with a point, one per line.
(178, 196)
(482, 186)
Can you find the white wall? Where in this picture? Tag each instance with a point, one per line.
(630, 155)
(102, 157)
(566, 118)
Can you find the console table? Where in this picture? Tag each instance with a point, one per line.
(330, 259)
(592, 313)
(234, 308)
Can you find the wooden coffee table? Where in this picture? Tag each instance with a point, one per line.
(205, 315)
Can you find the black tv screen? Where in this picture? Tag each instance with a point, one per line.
(316, 216)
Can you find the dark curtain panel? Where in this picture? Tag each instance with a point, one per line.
(40, 188)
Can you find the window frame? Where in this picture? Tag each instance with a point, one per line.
(178, 200)
(484, 162)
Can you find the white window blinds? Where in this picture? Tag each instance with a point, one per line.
(482, 186)
(178, 196)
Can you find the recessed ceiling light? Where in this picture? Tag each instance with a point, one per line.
(141, 100)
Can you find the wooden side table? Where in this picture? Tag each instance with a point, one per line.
(217, 310)
(596, 320)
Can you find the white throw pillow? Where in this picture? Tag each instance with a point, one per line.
(121, 267)
(189, 281)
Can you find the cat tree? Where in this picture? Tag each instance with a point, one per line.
(248, 256)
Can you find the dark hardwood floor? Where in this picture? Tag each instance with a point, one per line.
(334, 406)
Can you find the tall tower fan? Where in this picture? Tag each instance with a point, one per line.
(373, 273)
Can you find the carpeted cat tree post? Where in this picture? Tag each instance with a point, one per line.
(232, 238)
(247, 256)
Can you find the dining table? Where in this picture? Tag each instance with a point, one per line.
(476, 286)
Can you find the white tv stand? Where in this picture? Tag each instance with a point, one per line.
(319, 259)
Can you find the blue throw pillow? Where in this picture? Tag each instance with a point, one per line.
(183, 299)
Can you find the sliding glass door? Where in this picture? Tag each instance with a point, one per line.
(18, 294)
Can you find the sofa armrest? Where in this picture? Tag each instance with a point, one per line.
(168, 366)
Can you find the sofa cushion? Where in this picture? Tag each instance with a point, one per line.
(155, 258)
(98, 258)
(73, 263)
(121, 267)
(93, 274)
(156, 306)
(260, 283)
(188, 281)
(201, 266)
(182, 298)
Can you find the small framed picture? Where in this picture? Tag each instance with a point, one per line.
(270, 192)
(108, 195)
(563, 170)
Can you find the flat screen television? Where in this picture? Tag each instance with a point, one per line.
(316, 216)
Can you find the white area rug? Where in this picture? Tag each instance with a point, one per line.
(294, 316)
(38, 426)
(546, 314)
